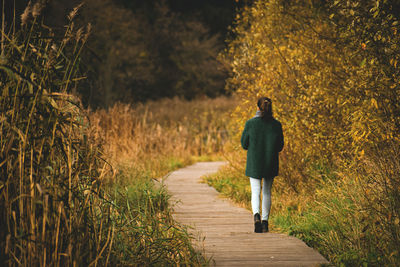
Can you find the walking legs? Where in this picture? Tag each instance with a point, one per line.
(266, 196)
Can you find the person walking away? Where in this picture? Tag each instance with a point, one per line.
(262, 137)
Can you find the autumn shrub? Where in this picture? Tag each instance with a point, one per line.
(331, 71)
(355, 219)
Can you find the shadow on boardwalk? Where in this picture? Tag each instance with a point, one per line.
(228, 230)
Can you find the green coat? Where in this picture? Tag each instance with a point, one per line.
(263, 142)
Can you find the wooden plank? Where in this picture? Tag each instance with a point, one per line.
(225, 231)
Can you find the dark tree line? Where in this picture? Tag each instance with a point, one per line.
(141, 50)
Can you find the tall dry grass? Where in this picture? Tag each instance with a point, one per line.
(50, 164)
(57, 206)
(159, 136)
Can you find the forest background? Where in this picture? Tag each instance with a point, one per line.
(77, 184)
(145, 50)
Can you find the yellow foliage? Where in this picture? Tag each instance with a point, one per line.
(331, 107)
(335, 88)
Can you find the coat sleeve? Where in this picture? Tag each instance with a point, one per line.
(280, 139)
(245, 137)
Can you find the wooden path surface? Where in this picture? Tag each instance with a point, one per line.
(228, 230)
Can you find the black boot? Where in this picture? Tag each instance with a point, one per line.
(257, 223)
(264, 226)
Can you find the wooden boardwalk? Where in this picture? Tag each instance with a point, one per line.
(227, 230)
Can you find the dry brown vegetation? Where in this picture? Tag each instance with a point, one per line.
(159, 136)
(60, 204)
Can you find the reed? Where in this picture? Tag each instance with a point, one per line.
(51, 169)
(57, 204)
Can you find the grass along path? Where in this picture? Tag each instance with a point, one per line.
(227, 229)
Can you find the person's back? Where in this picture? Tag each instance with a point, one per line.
(263, 140)
(262, 137)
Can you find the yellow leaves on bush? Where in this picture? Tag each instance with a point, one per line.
(331, 71)
(329, 103)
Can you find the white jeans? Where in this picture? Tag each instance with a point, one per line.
(266, 196)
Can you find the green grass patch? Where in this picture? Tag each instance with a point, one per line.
(234, 187)
(329, 220)
(146, 234)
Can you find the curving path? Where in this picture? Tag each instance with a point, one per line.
(227, 230)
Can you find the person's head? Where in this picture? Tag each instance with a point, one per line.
(265, 106)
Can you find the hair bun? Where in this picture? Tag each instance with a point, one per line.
(265, 106)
